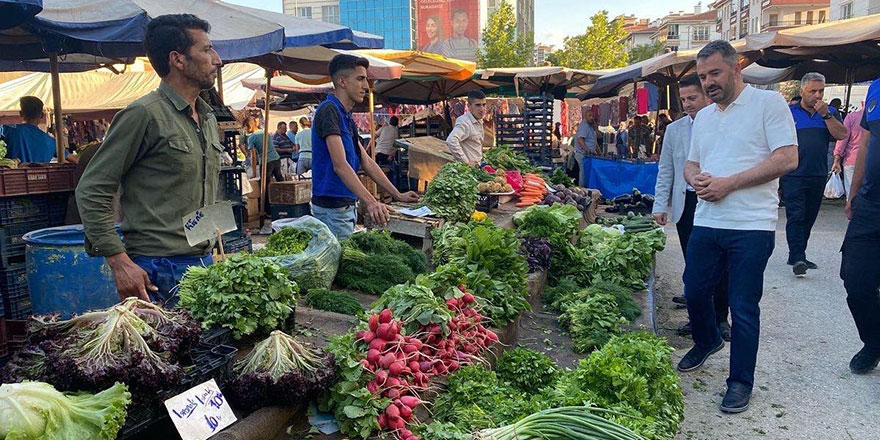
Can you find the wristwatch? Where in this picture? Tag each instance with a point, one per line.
(828, 116)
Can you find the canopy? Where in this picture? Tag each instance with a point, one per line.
(543, 79)
(99, 94)
(14, 12)
(414, 90)
(418, 63)
(288, 85)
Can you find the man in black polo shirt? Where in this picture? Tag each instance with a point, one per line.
(803, 188)
(861, 246)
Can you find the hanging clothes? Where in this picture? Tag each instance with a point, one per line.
(624, 108)
(595, 109)
(653, 97)
(604, 114)
(615, 113)
(642, 101)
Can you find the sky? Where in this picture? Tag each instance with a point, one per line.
(555, 19)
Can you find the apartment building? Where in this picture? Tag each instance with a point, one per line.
(324, 10)
(638, 31)
(843, 9)
(683, 31)
(738, 18)
(542, 51)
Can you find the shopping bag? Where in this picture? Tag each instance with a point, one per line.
(834, 188)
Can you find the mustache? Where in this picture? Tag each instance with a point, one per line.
(712, 88)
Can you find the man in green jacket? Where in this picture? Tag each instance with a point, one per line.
(163, 150)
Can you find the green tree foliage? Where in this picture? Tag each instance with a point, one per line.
(643, 52)
(600, 47)
(502, 47)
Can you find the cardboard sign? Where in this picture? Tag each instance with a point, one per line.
(203, 223)
(200, 411)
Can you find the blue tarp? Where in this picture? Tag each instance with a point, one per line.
(15, 12)
(613, 178)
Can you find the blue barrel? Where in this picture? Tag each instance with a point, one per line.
(62, 278)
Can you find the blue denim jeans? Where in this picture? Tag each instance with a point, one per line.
(746, 254)
(166, 272)
(584, 176)
(341, 221)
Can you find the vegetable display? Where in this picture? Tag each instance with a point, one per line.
(504, 157)
(622, 259)
(538, 253)
(414, 305)
(526, 370)
(632, 223)
(333, 301)
(243, 293)
(534, 189)
(557, 223)
(453, 192)
(560, 178)
(592, 321)
(281, 371)
(635, 201)
(567, 423)
(287, 241)
(134, 342)
(498, 184)
(573, 294)
(36, 410)
(373, 262)
(578, 197)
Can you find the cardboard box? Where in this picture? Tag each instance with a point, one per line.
(294, 192)
(253, 209)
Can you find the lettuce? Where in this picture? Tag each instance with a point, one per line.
(36, 410)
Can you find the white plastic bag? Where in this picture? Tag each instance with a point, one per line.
(834, 188)
(316, 266)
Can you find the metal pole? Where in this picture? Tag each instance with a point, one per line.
(56, 103)
(850, 78)
(220, 84)
(264, 179)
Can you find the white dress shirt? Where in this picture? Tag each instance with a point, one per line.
(465, 142)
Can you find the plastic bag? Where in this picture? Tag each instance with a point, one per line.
(834, 188)
(316, 266)
(515, 179)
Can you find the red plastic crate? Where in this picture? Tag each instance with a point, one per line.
(62, 178)
(13, 181)
(37, 179)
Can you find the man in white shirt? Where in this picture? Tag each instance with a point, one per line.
(675, 199)
(465, 142)
(385, 145)
(740, 146)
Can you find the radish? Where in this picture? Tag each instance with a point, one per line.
(462, 288)
(415, 366)
(382, 377)
(395, 328)
(383, 421)
(372, 387)
(412, 438)
(384, 332)
(373, 322)
(405, 434)
(396, 423)
(395, 368)
(467, 298)
(385, 316)
(410, 401)
(391, 393)
(425, 366)
(409, 348)
(392, 412)
(406, 412)
(453, 365)
(378, 344)
(373, 355)
(386, 361)
(392, 382)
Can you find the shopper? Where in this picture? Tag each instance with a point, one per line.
(465, 141)
(620, 141)
(585, 142)
(26, 141)
(847, 149)
(735, 172)
(165, 143)
(385, 145)
(337, 154)
(304, 144)
(639, 136)
(861, 245)
(674, 199)
(803, 188)
(273, 159)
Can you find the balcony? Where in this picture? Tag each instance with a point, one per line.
(672, 37)
(784, 24)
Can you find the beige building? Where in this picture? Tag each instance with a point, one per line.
(739, 18)
(686, 30)
(324, 10)
(541, 53)
(843, 9)
(638, 31)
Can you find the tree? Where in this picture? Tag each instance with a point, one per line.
(553, 58)
(600, 47)
(643, 52)
(502, 47)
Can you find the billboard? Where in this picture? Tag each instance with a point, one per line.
(449, 27)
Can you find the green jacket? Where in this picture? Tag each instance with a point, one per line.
(167, 167)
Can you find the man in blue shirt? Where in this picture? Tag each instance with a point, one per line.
(585, 142)
(337, 154)
(803, 188)
(861, 245)
(26, 141)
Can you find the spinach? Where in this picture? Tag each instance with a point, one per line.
(592, 321)
(453, 192)
(622, 259)
(526, 370)
(626, 305)
(503, 157)
(244, 293)
(287, 241)
(333, 301)
(557, 223)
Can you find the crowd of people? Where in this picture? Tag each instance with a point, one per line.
(719, 184)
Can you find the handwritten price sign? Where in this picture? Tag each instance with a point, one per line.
(200, 411)
(203, 223)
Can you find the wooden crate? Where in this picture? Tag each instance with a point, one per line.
(295, 192)
(417, 227)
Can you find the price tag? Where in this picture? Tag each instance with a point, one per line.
(200, 411)
(204, 223)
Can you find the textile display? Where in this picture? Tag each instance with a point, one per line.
(642, 101)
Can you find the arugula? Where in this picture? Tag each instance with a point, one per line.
(622, 259)
(453, 192)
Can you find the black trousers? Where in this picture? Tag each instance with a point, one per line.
(858, 269)
(803, 198)
(273, 169)
(684, 227)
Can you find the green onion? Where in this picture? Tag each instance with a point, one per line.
(566, 423)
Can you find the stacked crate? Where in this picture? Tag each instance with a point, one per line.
(230, 189)
(538, 115)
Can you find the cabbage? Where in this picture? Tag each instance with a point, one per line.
(36, 410)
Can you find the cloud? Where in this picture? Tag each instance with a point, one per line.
(553, 36)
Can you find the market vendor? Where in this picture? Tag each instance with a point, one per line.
(337, 154)
(465, 142)
(163, 150)
(26, 141)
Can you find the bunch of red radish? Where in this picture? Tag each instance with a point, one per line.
(404, 365)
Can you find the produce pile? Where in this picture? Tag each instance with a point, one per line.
(566, 423)
(287, 241)
(533, 191)
(575, 196)
(560, 178)
(383, 368)
(452, 193)
(498, 184)
(635, 201)
(135, 342)
(36, 410)
(538, 253)
(281, 371)
(623, 259)
(306, 249)
(487, 259)
(504, 157)
(631, 222)
(372, 262)
(333, 301)
(244, 293)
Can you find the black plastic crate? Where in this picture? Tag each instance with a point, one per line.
(229, 186)
(234, 242)
(11, 242)
(289, 211)
(239, 212)
(17, 303)
(486, 202)
(23, 209)
(13, 277)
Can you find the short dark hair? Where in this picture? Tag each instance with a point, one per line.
(460, 11)
(692, 80)
(393, 121)
(280, 124)
(728, 53)
(835, 100)
(31, 107)
(168, 33)
(344, 63)
(474, 95)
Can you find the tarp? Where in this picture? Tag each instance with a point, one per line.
(430, 90)
(14, 12)
(423, 64)
(100, 94)
(612, 177)
(556, 79)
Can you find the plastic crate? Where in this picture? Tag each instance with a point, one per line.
(229, 186)
(61, 178)
(37, 179)
(24, 209)
(289, 211)
(17, 303)
(239, 212)
(486, 202)
(13, 277)
(57, 204)
(11, 243)
(236, 242)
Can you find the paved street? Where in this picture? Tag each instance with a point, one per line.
(803, 388)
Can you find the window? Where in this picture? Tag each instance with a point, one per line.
(797, 18)
(744, 5)
(701, 33)
(809, 17)
(774, 20)
(846, 11)
(672, 33)
(304, 12)
(330, 14)
(821, 17)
